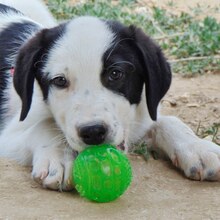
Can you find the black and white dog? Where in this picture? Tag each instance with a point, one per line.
(84, 82)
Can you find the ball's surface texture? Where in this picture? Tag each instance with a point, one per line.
(101, 173)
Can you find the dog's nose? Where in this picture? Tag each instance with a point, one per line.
(93, 134)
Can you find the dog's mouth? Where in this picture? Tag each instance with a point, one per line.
(121, 146)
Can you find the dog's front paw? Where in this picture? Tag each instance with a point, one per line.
(53, 172)
(200, 160)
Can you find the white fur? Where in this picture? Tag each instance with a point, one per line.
(198, 158)
(47, 138)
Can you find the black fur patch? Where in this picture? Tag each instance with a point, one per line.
(3, 84)
(11, 39)
(123, 56)
(141, 61)
(5, 9)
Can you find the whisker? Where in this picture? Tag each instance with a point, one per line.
(115, 45)
(121, 62)
(42, 60)
(134, 123)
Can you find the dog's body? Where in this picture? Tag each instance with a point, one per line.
(87, 81)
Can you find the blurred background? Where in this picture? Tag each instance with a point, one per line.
(188, 31)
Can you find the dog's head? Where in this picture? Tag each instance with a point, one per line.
(92, 74)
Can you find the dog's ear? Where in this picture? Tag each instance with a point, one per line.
(157, 72)
(25, 72)
(30, 62)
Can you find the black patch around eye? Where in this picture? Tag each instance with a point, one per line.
(124, 81)
(114, 79)
(123, 54)
(121, 72)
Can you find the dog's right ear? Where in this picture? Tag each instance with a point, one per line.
(30, 62)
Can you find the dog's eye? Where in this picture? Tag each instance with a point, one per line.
(115, 75)
(60, 82)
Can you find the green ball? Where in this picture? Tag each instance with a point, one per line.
(101, 173)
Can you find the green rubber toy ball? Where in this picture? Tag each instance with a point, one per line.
(101, 173)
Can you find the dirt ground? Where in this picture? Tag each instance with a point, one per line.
(158, 190)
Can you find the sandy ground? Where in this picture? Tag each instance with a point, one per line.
(158, 190)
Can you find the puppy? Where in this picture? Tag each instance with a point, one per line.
(86, 82)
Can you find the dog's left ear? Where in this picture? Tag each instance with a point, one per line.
(157, 72)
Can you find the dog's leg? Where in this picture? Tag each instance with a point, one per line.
(198, 158)
(42, 146)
